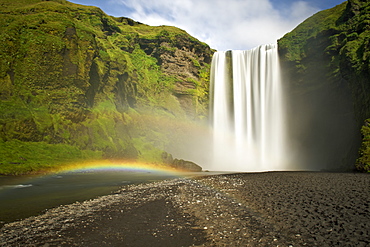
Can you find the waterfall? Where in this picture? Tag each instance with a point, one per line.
(247, 110)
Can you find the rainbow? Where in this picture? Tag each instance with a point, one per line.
(109, 165)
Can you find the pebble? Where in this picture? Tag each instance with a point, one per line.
(259, 209)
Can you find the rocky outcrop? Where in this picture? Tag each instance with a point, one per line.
(186, 165)
(187, 61)
(180, 164)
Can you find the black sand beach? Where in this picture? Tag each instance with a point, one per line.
(261, 209)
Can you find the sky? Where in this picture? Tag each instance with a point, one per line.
(222, 24)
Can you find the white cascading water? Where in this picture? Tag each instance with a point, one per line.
(247, 110)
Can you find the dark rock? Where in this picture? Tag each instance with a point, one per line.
(186, 165)
(180, 163)
(167, 158)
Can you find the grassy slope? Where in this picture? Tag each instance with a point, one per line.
(76, 83)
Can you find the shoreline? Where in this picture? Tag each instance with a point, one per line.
(248, 209)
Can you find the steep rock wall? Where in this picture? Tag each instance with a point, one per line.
(326, 63)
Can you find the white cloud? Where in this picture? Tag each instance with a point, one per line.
(232, 24)
(300, 10)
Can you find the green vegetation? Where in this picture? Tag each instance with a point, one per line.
(336, 40)
(19, 157)
(75, 81)
(315, 43)
(296, 44)
(363, 162)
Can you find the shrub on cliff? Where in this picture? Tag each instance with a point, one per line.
(363, 162)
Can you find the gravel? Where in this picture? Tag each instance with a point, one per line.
(246, 209)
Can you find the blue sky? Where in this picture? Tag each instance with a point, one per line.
(222, 24)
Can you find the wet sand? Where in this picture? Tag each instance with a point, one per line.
(260, 209)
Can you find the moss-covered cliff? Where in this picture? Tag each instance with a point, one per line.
(78, 84)
(327, 60)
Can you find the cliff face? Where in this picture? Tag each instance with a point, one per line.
(77, 84)
(326, 59)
